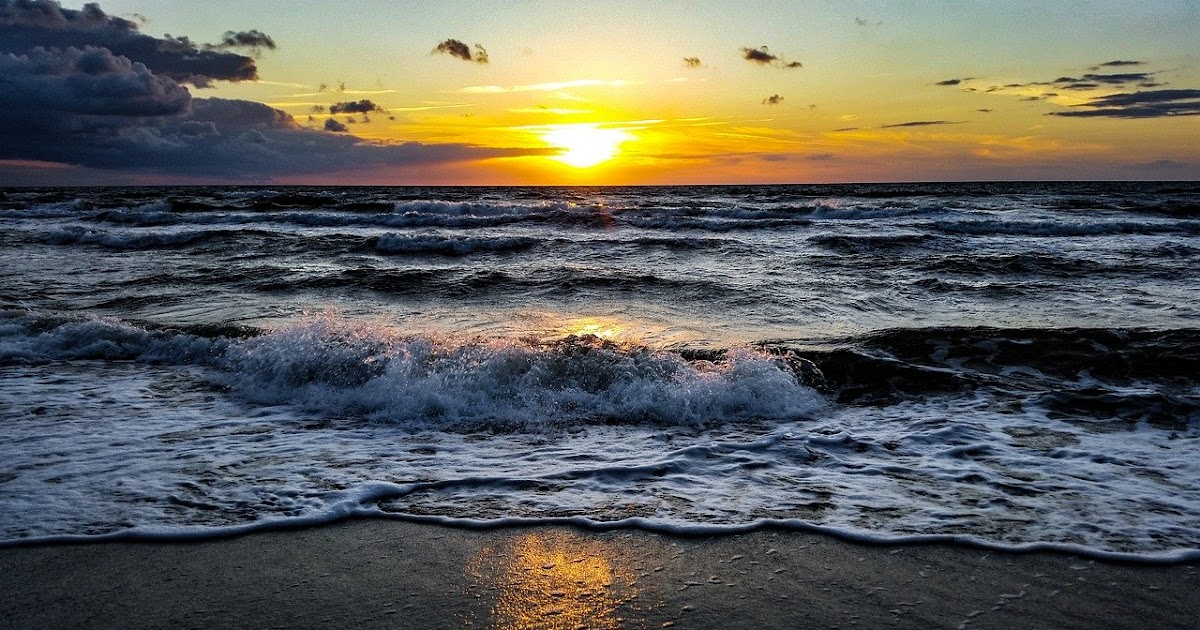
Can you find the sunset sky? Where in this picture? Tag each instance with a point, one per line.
(374, 92)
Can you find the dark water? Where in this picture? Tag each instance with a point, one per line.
(1009, 364)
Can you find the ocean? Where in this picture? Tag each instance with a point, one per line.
(1005, 365)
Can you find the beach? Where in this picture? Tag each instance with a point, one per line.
(379, 573)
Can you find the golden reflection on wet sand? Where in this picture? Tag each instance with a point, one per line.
(553, 580)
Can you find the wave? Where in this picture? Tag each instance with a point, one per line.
(384, 372)
(986, 227)
(32, 339)
(334, 367)
(347, 368)
(1067, 212)
(1001, 267)
(863, 243)
(78, 235)
(1153, 371)
(370, 500)
(1007, 438)
(474, 281)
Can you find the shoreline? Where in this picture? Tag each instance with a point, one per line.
(376, 573)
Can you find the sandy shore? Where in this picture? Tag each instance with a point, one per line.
(391, 574)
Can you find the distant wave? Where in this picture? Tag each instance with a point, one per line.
(449, 245)
(78, 235)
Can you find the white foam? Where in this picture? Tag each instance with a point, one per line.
(333, 366)
(146, 450)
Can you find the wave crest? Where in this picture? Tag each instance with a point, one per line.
(373, 371)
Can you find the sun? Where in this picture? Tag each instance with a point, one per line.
(586, 145)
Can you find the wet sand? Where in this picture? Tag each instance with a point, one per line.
(393, 574)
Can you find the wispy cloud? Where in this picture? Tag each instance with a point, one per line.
(543, 87)
(558, 111)
(1117, 63)
(1085, 82)
(919, 123)
(346, 92)
(1146, 104)
(692, 62)
(422, 108)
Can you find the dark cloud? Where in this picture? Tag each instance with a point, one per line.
(1137, 98)
(1145, 104)
(773, 99)
(919, 123)
(88, 88)
(764, 57)
(863, 22)
(214, 137)
(984, 110)
(1092, 81)
(456, 48)
(29, 24)
(758, 55)
(949, 82)
(364, 106)
(253, 39)
(691, 62)
(1087, 82)
(75, 101)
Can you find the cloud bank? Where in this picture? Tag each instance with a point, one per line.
(28, 24)
(1146, 104)
(1137, 98)
(84, 88)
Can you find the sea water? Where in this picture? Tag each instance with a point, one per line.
(1007, 365)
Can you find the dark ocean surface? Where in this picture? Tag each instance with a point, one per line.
(1011, 365)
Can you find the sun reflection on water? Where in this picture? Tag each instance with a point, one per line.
(589, 326)
(553, 580)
